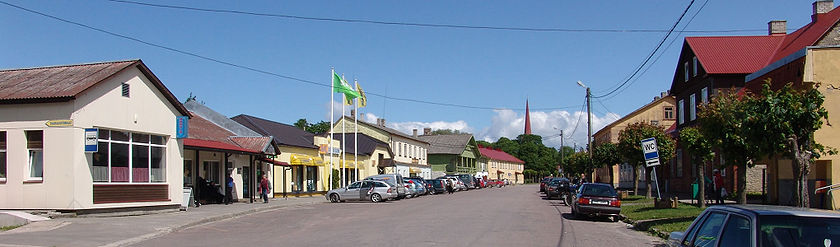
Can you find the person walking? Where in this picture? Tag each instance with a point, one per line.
(718, 180)
(265, 187)
(228, 189)
(449, 185)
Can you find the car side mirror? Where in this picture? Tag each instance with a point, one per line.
(676, 237)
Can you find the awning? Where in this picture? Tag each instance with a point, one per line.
(348, 164)
(318, 161)
(414, 170)
(518, 172)
(275, 162)
(499, 171)
(301, 160)
(386, 163)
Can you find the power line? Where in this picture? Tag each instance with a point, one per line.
(432, 25)
(651, 54)
(219, 61)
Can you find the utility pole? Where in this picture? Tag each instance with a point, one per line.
(589, 123)
(562, 154)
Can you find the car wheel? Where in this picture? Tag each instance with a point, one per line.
(334, 198)
(375, 198)
(614, 218)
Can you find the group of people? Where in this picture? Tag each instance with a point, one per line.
(209, 193)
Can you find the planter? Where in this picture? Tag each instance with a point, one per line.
(672, 202)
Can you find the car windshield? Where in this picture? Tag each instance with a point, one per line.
(598, 190)
(788, 230)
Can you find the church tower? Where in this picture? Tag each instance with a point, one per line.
(527, 119)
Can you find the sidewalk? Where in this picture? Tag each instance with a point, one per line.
(104, 230)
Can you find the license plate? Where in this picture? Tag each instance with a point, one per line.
(600, 202)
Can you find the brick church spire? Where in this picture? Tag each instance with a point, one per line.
(527, 119)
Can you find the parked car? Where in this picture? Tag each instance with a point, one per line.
(543, 183)
(395, 180)
(426, 186)
(457, 184)
(760, 225)
(560, 189)
(375, 191)
(438, 186)
(468, 181)
(418, 188)
(596, 199)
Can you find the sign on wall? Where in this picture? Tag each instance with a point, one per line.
(60, 123)
(182, 126)
(91, 138)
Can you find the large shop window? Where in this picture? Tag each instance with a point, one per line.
(2, 156)
(35, 146)
(311, 178)
(126, 157)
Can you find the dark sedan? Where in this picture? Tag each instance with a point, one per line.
(438, 186)
(595, 199)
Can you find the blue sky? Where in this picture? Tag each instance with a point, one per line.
(472, 67)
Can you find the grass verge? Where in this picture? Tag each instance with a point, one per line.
(6, 228)
(641, 213)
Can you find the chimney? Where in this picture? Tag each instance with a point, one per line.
(821, 7)
(427, 131)
(777, 27)
(382, 122)
(664, 94)
(415, 132)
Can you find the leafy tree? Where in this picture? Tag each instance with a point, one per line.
(508, 146)
(701, 153)
(484, 143)
(723, 122)
(604, 155)
(630, 148)
(564, 153)
(319, 128)
(579, 163)
(783, 122)
(302, 124)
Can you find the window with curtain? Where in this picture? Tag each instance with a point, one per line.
(35, 147)
(126, 157)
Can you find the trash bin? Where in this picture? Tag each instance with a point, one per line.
(695, 189)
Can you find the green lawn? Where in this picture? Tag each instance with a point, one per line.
(6, 228)
(666, 220)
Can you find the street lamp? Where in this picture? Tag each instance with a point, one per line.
(588, 119)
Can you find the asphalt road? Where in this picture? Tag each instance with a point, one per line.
(510, 216)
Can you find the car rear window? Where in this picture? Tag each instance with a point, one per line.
(381, 184)
(788, 230)
(598, 190)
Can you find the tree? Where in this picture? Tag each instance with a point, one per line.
(604, 155)
(701, 153)
(302, 124)
(579, 163)
(783, 122)
(484, 143)
(319, 128)
(722, 121)
(630, 148)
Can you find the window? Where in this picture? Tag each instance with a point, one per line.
(125, 90)
(694, 66)
(669, 112)
(707, 233)
(692, 106)
(685, 72)
(681, 111)
(679, 166)
(654, 122)
(2, 156)
(704, 95)
(736, 232)
(35, 146)
(126, 157)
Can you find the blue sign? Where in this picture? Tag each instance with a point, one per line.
(91, 140)
(182, 126)
(651, 152)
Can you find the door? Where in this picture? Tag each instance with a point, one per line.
(351, 192)
(363, 191)
(246, 181)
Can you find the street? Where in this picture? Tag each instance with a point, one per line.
(509, 216)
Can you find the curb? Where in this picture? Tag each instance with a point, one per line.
(167, 230)
(653, 231)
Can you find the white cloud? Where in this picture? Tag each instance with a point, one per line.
(409, 127)
(507, 123)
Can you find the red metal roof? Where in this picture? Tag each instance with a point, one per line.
(215, 145)
(65, 82)
(206, 134)
(748, 54)
(498, 155)
(257, 143)
(733, 54)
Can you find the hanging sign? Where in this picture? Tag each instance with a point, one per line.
(182, 126)
(91, 138)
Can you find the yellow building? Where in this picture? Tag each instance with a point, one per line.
(502, 166)
(660, 112)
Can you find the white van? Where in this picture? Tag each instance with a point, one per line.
(392, 179)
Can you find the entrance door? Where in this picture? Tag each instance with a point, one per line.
(246, 181)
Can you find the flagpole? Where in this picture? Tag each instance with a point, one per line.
(343, 145)
(356, 133)
(332, 117)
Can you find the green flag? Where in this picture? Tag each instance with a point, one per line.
(341, 86)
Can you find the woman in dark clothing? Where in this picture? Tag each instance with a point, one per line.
(449, 186)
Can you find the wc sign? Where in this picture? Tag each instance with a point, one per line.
(91, 140)
(651, 152)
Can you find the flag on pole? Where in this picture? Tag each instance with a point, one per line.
(341, 86)
(348, 100)
(362, 96)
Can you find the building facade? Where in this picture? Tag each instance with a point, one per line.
(502, 166)
(452, 154)
(410, 157)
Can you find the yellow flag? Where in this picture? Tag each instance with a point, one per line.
(362, 97)
(347, 100)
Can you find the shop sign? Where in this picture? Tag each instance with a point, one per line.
(182, 126)
(60, 123)
(91, 139)
(322, 149)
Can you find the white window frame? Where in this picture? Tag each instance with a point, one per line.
(681, 111)
(694, 66)
(30, 158)
(704, 95)
(131, 144)
(4, 158)
(685, 72)
(692, 104)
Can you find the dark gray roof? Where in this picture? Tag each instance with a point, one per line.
(283, 134)
(447, 144)
(367, 144)
(386, 129)
(219, 119)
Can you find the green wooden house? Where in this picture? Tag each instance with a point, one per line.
(452, 154)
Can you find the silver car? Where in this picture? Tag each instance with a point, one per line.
(368, 190)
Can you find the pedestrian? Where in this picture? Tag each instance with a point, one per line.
(229, 189)
(718, 181)
(265, 187)
(449, 185)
